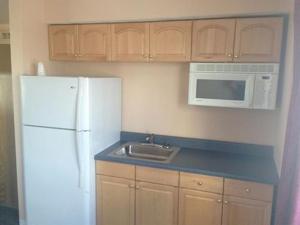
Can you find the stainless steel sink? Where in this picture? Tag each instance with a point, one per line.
(145, 151)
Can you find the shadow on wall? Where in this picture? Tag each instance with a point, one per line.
(8, 185)
(5, 62)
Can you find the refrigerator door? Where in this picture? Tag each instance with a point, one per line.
(52, 179)
(49, 101)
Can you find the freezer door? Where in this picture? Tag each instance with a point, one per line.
(49, 101)
(51, 175)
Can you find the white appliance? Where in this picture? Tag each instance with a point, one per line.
(233, 85)
(66, 121)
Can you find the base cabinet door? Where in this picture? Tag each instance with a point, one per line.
(156, 204)
(115, 201)
(237, 211)
(197, 207)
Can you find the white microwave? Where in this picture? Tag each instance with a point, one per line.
(235, 85)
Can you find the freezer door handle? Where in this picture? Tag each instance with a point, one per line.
(82, 149)
(82, 105)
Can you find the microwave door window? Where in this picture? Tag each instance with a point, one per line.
(221, 89)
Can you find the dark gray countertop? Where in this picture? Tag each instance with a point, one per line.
(228, 164)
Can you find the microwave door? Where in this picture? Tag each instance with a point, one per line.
(221, 90)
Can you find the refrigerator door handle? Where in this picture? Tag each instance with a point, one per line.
(82, 127)
(82, 145)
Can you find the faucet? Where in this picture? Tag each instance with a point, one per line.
(150, 138)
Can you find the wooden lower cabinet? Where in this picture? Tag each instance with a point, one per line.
(156, 204)
(198, 207)
(239, 211)
(115, 201)
(134, 195)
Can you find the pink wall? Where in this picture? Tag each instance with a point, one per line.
(155, 100)
(60, 11)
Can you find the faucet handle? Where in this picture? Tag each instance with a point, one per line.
(150, 138)
(167, 146)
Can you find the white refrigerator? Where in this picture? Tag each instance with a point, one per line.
(66, 121)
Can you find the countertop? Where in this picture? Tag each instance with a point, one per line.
(228, 164)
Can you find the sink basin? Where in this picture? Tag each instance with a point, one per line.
(145, 151)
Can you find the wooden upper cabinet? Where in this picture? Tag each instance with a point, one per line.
(130, 42)
(207, 40)
(245, 211)
(94, 42)
(156, 204)
(115, 201)
(213, 40)
(62, 42)
(197, 207)
(258, 39)
(170, 41)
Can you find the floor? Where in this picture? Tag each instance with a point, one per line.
(8, 216)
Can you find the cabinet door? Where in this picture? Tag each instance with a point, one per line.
(213, 40)
(170, 41)
(94, 42)
(197, 207)
(156, 204)
(258, 40)
(115, 201)
(62, 42)
(237, 211)
(130, 42)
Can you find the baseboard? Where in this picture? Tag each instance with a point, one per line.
(22, 222)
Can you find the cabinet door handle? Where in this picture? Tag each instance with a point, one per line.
(219, 200)
(131, 186)
(200, 183)
(229, 55)
(226, 202)
(236, 56)
(247, 190)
